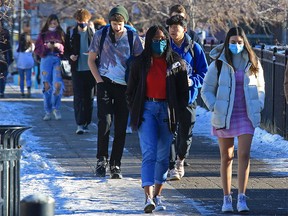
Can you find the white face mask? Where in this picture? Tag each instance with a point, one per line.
(52, 28)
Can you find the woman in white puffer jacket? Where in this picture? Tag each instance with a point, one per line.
(234, 91)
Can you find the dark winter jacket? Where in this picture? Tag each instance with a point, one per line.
(196, 64)
(176, 89)
(72, 45)
(5, 50)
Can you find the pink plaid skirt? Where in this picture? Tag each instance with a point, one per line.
(239, 123)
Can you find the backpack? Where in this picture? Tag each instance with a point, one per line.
(130, 40)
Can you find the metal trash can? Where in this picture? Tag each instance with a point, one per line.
(10, 154)
(37, 205)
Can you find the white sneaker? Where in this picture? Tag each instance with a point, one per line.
(241, 203)
(128, 130)
(180, 167)
(80, 129)
(57, 114)
(227, 204)
(174, 174)
(159, 204)
(149, 205)
(86, 129)
(47, 117)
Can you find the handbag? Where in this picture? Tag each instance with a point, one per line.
(66, 70)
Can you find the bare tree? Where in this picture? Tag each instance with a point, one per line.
(217, 14)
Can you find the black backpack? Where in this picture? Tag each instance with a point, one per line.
(130, 40)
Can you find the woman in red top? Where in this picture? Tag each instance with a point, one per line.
(157, 91)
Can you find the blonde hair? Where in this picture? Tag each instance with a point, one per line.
(82, 15)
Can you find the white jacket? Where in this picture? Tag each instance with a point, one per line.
(219, 93)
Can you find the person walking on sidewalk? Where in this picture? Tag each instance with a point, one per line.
(111, 86)
(179, 9)
(6, 57)
(25, 62)
(234, 91)
(77, 42)
(50, 47)
(157, 92)
(196, 64)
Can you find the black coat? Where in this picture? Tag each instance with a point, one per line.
(6, 57)
(176, 89)
(72, 45)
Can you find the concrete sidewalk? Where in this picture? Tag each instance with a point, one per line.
(198, 193)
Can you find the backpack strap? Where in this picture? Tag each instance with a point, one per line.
(219, 67)
(102, 39)
(191, 49)
(130, 40)
(103, 36)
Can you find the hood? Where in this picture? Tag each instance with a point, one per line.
(214, 53)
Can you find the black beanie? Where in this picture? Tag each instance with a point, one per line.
(119, 10)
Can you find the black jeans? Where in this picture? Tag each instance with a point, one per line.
(112, 106)
(182, 139)
(83, 89)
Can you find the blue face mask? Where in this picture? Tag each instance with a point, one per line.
(236, 48)
(82, 25)
(159, 46)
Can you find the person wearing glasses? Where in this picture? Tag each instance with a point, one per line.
(157, 92)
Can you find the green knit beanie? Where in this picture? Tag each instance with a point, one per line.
(119, 10)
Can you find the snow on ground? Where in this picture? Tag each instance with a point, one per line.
(87, 196)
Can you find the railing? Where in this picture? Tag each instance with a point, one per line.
(10, 154)
(275, 113)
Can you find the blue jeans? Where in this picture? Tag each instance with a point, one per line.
(22, 73)
(155, 140)
(51, 74)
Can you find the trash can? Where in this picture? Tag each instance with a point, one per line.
(10, 154)
(37, 205)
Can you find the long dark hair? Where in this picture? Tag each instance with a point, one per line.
(238, 31)
(24, 42)
(58, 29)
(147, 52)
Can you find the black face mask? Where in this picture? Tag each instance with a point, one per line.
(82, 25)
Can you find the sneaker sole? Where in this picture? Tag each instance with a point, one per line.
(100, 175)
(228, 211)
(174, 178)
(149, 208)
(79, 132)
(243, 210)
(160, 208)
(116, 176)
